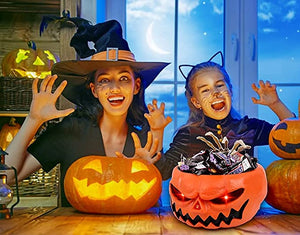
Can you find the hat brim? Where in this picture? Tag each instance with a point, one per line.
(76, 72)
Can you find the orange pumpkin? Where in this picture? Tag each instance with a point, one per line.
(283, 185)
(31, 62)
(8, 132)
(110, 185)
(217, 201)
(284, 138)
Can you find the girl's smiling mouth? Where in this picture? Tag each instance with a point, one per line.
(218, 105)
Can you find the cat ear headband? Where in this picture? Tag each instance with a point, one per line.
(193, 66)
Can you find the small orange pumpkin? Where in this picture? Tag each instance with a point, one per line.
(110, 185)
(284, 138)
(217, 201)
(8, 132)
(31, 62)
(283, 185)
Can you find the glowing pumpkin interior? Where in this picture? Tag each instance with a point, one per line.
(111, 185)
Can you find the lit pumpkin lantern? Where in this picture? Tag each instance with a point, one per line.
(110, 185)
(284, 138)
(283, 185)
(31, 62)
(8, 132)
(217, 201)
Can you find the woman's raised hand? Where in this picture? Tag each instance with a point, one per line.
(149, 152)
(156, 117)
(43, 107)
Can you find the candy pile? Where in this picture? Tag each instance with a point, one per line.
(219, 160)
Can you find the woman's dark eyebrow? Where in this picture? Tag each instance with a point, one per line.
(124, 71)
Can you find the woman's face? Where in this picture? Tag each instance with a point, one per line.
(211, 94)
(115, 87)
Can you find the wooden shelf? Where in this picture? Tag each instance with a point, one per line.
(13, 113)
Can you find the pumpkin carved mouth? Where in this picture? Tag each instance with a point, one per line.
(289, 148)
(119, 189)
(234, 214)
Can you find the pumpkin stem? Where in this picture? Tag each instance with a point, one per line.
(31, 44)
(12, 122)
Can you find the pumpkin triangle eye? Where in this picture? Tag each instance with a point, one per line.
(95, 165)
(138, 166)
(229, 197)
(38, 61)
(179, 195)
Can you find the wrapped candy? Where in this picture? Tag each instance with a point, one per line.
(219, 160)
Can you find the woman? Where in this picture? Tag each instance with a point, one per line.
(110, 117)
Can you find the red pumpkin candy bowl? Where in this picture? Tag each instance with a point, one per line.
(217, 201)
(284, 138)
(111, 185)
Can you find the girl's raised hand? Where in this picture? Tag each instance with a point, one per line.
(267, 93)
(43, 107)
(156, 117)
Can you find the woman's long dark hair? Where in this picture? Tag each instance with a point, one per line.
(89, 107)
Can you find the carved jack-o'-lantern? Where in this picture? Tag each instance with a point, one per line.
(31, 62)
(111, 185)
(217, 201)
(284, 138)
(8, 132)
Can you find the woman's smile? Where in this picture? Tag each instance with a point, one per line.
(116, 100)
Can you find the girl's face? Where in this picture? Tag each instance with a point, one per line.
(211, 94)
(115, 87)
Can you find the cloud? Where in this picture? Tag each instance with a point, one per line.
(289, 16)
(160, 9)
(217, 6)
(269, 30)
(271, 11)
(265, 16)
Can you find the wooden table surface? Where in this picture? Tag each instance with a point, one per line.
(63, 220)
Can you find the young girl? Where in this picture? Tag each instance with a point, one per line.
(209, 95)
(111, 118)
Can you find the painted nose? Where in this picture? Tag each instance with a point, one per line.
(114, 87)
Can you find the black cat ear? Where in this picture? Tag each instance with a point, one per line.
(185, 66)
(222, 57)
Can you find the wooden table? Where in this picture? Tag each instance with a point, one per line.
(63, 220)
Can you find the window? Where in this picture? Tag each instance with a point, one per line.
(260, 40)
(278, 57)
(164, 31)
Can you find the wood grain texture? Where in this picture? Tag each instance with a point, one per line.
(66, 221)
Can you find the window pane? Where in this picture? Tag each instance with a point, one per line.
(278, 58)
(163, 93)
(279, 36)
(200, 31)
(150, 32)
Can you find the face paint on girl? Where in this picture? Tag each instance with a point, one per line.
(211, 94)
